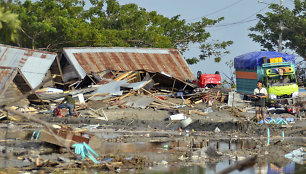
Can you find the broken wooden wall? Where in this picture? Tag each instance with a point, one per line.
(12, 93)
(23, 86)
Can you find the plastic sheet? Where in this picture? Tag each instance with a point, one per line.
(253, 59)
(278, 120)
(85, 150)
(297, 155)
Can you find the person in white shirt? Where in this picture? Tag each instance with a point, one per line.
(260, 95)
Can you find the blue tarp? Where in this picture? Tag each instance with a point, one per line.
(253, 59)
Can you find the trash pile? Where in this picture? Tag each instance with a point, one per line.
(133, 89)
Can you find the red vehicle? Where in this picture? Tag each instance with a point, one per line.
(208, 80)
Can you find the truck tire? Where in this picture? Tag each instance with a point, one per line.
(199, 73)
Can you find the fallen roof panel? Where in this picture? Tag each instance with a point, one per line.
(91, 59)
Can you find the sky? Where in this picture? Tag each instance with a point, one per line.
(239, 16)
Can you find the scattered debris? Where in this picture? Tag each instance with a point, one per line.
(186, 122)
(298, 156)
(130, 109)
(180, 116)
(217, 130)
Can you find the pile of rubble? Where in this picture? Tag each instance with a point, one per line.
(134, 89)
(122, 90)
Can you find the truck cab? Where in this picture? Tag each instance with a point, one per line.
(276, 71)
(280, 80)
(208, 80)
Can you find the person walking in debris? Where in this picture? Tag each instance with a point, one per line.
(260, 95)
(69, 103)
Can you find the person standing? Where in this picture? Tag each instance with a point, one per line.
(260, 95)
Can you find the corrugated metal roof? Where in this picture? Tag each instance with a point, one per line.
(33, 64)
(93, 59)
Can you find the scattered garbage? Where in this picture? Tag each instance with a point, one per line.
(106, 160)
(186, 122)
(179, 116)
(164, 162)
(298, 155)
(290, 120)
(85, 150)
(102, 97)
(251, 111)
(278, 120)
(217, 130)
(49, 90)
(208, 110)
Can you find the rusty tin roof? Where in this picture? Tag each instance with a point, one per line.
(33, 64)
(94, 59)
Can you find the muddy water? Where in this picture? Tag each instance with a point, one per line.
(166, 155)
(171, 146)
(158, 147)
(265, 168)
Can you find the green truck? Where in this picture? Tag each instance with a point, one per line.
(276, 71)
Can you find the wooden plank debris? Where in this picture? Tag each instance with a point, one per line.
(66, 137)
(123, 75)
(196, 112)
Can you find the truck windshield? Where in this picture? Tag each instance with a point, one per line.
(281, 80)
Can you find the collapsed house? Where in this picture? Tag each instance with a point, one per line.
(22, 70)
(166, 67)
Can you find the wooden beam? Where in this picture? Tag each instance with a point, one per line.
(162, 101)
(122, 76)
(196, 112)
(173, 86)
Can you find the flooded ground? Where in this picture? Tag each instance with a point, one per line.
(269, 168)
(161, 152)
(146, 141)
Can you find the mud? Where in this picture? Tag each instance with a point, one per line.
(139, 139)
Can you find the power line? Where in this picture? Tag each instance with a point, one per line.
(233, 23)
(245, 20)
(217, 11)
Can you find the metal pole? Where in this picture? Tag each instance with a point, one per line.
(280, 38)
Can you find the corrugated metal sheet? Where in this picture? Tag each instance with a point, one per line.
(33, 64)
(169, 61)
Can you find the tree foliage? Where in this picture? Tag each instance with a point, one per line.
(9, 25)
(293, 28)
(53, 24)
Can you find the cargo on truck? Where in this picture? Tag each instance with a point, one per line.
(276, 71)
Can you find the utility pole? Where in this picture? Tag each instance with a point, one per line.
(280, 37)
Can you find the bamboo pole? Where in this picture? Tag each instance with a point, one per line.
(158, 98)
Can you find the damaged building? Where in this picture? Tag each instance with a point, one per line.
(22, 70)
(93, 65)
